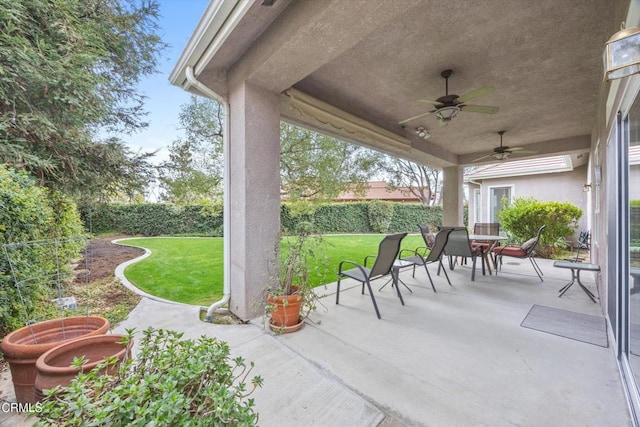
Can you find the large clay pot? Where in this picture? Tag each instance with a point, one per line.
(54, 367)
(285, 313)
(22, 347)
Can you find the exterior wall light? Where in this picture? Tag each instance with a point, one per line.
(622, 54)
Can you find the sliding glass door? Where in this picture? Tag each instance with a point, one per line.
(630, 170)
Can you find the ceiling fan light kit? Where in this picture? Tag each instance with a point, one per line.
(503, 152)
(449, 106)
(445, 114)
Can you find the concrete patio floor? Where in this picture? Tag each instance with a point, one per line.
(458, 357)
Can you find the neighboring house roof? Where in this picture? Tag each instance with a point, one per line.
(378, 190)
(542, 165)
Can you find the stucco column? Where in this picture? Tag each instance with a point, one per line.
(254, 194)
(452, 196)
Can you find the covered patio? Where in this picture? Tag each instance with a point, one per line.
(456, 357)
(357, 70)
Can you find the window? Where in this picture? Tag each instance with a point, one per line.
(477, 204)
(498, 198)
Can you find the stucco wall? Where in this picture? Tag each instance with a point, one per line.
(561, 187)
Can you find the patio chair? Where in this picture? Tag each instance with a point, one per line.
(584, 242)
(383, 265)
(458, 245)
(428, 255)
(427, 235)
(526, 250)
(488, 229)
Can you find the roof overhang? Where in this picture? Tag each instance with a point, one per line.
(354, 70)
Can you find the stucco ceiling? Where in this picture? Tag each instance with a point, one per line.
(374, 59)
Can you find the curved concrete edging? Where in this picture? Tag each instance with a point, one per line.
(119, 273)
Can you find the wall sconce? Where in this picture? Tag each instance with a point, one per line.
(422, 133)
(586, 188)
(622, 54)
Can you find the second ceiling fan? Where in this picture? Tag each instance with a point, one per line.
(503, 152)
(448, 106)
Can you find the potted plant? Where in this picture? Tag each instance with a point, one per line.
(61, 364)
(290, 296)
(22, 347)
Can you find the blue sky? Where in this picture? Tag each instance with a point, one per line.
(179, 19)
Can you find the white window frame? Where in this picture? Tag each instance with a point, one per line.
(490, 189)
(477, 201)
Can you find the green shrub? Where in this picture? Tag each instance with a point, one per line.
(380, 214)
(172, 382)
(524, 216)
(342, 218)
(163, 219)
(29, 213)
(153, 219)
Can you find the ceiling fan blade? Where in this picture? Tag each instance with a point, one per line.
(443, 123)
(485, 109)
(519, 150)
(434, 103)
(483, 157)
(415, 117)
(477, 93)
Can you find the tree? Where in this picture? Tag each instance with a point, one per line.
(194, 169)
(68, 69)
(315, 166)
(312, 166)
(422, 181)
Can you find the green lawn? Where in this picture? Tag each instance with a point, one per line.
(189, 270)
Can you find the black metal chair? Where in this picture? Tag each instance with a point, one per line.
(427, 255)
(584, 242)
(526, 250)
(458, 245)
(488, 229)
(387, 253)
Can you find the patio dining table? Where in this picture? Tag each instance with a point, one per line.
(487, 238)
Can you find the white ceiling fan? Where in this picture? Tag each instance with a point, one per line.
(448, 106)
(504, 152)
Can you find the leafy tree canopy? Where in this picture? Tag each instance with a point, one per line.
(316, 166)
(312, 166)
(68, 69)
(422, 181)
(194, 170)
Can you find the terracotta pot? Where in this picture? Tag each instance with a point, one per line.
(285, 314)
(54, 366)
(22, 347)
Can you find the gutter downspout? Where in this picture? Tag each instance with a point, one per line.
(191, 78)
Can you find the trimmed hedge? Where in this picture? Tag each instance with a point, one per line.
(152, 219)
(155, 219)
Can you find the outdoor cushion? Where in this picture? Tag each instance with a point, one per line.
(510, 251)
(528, 244)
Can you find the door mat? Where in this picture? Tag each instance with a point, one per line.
(576, 326)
